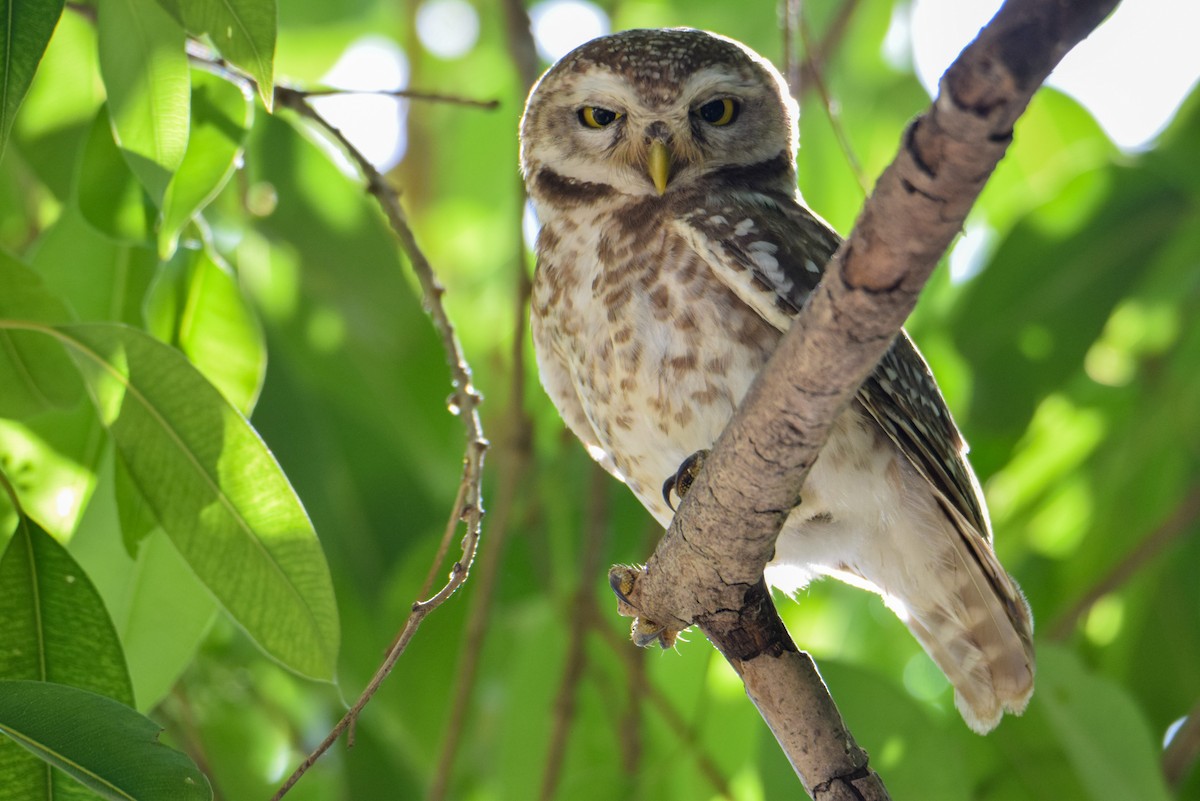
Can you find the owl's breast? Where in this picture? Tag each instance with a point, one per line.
(655, 350)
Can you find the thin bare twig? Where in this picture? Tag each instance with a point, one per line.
(825, 49)
(798, 71)
(814, 75)
(516, 448)
(789, 26)
(515, 453)
(1181, 521)
(184, 725)
(406, 94)
(595, 530)
(469, 507)
(633, 660)
(629, 730)
(201, 54)
(521, 47)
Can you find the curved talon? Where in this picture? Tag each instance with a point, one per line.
(646, 633)
(621, 579)
(669, 485)
(684, 477)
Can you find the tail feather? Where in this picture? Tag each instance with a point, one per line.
(979, 631)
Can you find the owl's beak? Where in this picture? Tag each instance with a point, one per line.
(659, 165)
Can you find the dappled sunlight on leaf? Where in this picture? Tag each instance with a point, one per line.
(1060, 437)
(1060, 524)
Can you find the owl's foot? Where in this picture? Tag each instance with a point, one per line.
(644, 632)
(681, 482)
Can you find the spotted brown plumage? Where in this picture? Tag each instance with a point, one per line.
(673, 254)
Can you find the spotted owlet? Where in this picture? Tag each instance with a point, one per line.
(673, 254)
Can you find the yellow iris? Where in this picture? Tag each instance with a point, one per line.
(596, 117)
(721, 111)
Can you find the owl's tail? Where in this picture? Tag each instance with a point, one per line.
(978, 630)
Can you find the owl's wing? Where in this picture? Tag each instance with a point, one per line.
(771, 251)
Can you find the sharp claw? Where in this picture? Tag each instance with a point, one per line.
(681, 482)
(669, 485)
(646, 633)
(621, 579)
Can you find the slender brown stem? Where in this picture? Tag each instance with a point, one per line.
(515, 455)
(642, 687)
(814, 75)
(1181, 521)
(790, 27)
(799, 72)
(469, 504)
(828, 45)
(439, 558)
(521, 47)
(629, 738)
(407, 94)
(516, 449)
(595, 530)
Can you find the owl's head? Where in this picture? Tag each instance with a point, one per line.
(653, 111)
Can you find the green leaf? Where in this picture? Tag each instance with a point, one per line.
(221, 115)
(99, 279)
(99, 742)
(54, 627)
(1100, 728)
(1054, 282)
(145, 72)
(59, 107)
(243, 30)
(160, 609)
(52, 459)
(215, 488)
(197, 305)
(136, 518)
(164, 615)
(53, 624)
(27, 28)
(220, 333)
(110, 197)
(35, 374)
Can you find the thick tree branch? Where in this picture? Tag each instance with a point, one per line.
(708, 568)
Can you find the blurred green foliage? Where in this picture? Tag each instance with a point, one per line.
(240, 238)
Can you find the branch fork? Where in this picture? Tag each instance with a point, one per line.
(707, 569)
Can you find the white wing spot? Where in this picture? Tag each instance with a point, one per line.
(717, 219)
(766, 262)
(812, 267)
(744, 227)
(768, 265)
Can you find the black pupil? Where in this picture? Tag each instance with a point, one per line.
(603, 116)
(712, 110)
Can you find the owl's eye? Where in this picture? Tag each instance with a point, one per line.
(721, 111)
(596, 117)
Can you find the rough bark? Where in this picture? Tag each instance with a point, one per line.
(708, 568)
